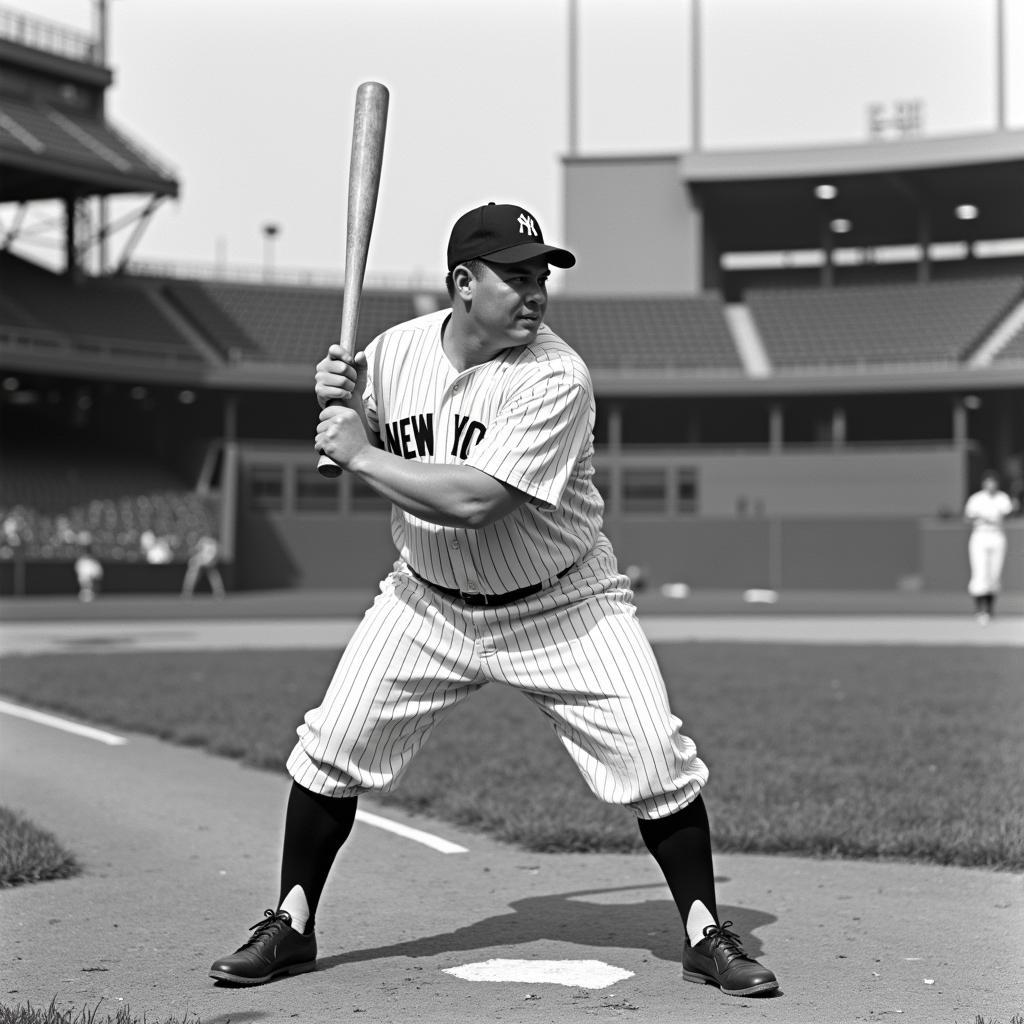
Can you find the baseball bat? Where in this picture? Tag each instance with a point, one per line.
(368, 126)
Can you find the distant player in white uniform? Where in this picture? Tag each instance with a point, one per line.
(203, 559)
(986, 549)
(477, 424)
(89, 574)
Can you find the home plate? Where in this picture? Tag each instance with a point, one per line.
(576, 973)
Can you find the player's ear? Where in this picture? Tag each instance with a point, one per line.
(462, 282)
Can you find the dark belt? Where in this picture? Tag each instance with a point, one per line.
(489, 600)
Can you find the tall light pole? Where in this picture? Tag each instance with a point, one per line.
(1000, 68)
(573, 99)
(101, 51)
(270, 233)
(101, 21)
(696, 121)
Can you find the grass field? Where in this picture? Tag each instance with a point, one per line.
(26, 1013)
(859, 751)
(29, 853)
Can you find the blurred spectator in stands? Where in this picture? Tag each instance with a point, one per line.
(204, 558)
(89, 573)
(12, 529)
(156, 549)
(985, 511)
(64, 532)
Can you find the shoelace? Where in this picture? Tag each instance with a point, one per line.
(728, 940)
(260, 928)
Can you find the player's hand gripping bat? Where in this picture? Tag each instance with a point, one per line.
(370, 121)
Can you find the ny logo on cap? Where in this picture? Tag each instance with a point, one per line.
(527, 225)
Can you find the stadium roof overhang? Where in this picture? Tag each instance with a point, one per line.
(24, 181)
(48, 153)
(891, 193)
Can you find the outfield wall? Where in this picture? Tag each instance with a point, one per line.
(835, 518)
(853, 482)
(793, 554)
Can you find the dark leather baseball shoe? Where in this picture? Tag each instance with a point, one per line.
(718, 959)
(275, 948)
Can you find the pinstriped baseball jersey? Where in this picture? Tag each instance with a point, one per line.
(574, 648)
(525, 418)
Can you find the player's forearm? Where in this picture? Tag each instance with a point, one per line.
(458, 496)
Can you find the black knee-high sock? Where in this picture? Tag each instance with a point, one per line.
(315, 827)
(681, 844)
(990, 603)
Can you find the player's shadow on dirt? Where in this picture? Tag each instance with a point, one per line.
(568, 917)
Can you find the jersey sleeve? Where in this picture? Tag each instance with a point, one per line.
(534, 443)
(370, 391)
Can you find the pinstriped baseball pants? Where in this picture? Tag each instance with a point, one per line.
(576, 650)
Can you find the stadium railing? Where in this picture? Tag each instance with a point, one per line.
(38, 339)
(41, 34)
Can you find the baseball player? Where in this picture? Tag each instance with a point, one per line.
(476, 422)
(203, 559)
(986, 549)
(89, 573)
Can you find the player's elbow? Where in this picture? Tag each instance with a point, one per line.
(477, 513)
(480, 500)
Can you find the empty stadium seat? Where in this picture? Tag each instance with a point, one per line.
(49, 484)
(296, 324)
(646, 333)
(91, 311)
(213, 322)
(879, 324)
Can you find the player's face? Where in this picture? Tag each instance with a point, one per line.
(510, 299)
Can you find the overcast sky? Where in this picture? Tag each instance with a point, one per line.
(251, 100)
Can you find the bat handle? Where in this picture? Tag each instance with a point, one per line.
(326, 466)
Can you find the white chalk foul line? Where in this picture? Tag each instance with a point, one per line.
(112, 740)
(16, 711)
(434, 842)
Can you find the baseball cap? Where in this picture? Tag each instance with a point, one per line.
(501, 233)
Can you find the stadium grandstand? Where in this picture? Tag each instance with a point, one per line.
(802, 368)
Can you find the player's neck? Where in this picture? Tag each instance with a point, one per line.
(465, 347)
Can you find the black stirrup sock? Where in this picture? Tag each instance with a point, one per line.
(315, 827)
(681, 844)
